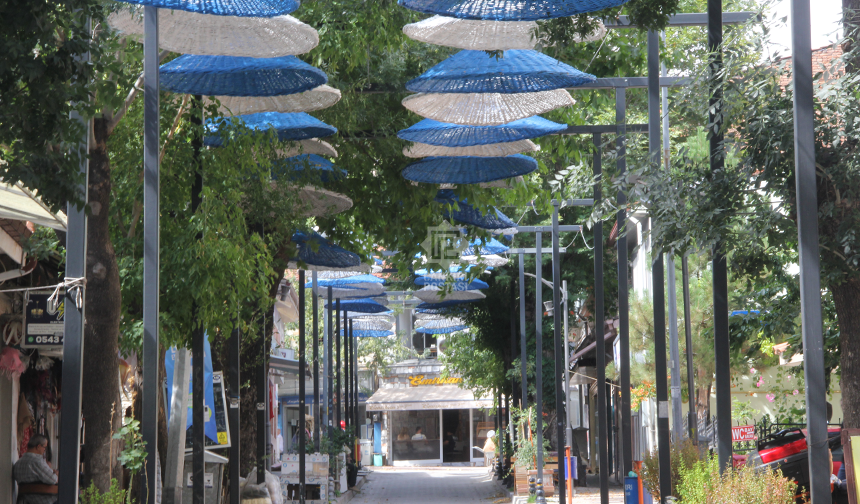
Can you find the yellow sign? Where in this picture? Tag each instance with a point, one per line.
(421, 380)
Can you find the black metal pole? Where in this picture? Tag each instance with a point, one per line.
(329, 394)
(688, 335)
(198, 334)
(524, 388)
(539, 361)
(73, 329)
(355, 390)
(316, 357)
(600, 341)
(623, 290)
(513, 354)
(302, 387)
(151, 246)
(810, 267)
(719, 266)
(262, 394)
(347, 377)
(233, 352)
(559, 350)
(654, 146)
(337, 364)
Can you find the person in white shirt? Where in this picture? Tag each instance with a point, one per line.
(280, 442)
(418, 436)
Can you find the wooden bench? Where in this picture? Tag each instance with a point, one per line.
(37, 488)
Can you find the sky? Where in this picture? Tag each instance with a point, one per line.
(826, 23)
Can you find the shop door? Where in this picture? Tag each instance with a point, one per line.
(455, 436)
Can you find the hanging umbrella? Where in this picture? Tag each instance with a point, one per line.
(439, 307)
(372, 324)
(316, 251)
(319, 168)
(457, 285)
(420, 315)
(492, 260)
(334, 274)
(317, 98)
(517, 71)
(310, 146)
(468, 169)
(467, 214)
(508, 10)
(317, 202)
(299, 126)
(192, 33)
(433, 294)
(433, 132)
(420, 150)
(441, 330)
(352, 291)
(483, 35)
(346, 281)
(363, 333)
(359, 306)
(239, 76)
(485, 109)
(239, 8)
(491, 246)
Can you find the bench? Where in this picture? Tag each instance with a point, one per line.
(37, 488)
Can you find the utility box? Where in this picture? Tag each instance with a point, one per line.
(213, 468)
(366, 451)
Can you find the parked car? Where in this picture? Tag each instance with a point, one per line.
(787, 451)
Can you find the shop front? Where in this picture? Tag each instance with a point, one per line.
(428, 419)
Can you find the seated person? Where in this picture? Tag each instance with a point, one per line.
(450, 442)
(418, 436)
(404, 435)
(31, 469)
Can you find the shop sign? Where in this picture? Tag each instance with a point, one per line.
(419, 380)
(43, 324)
(742, 433)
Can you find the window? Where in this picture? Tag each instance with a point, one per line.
(410, 443)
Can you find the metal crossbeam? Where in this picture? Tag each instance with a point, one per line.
(561, 250)
(548, 229)
(632, 82)
(604, 128)
(687, 19)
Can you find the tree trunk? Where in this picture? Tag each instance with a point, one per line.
(847, 300)
(850, 22)
(102, 408)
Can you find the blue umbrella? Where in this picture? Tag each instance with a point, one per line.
(467, 214)
(441, 330)
(468, 169)
(369, 333)
(433, 132)
(508, 10)
(454, 268)
(346, 281)
(491, 246)
(318, 165)
(295, 126)
(315, 250)
(238, 8)
(360, 305)
(517, 71)
(458, 285)
(238, 76)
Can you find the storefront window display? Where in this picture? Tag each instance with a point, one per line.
(482, 424)
(417, 435)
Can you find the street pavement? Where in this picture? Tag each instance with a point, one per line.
(432, 485)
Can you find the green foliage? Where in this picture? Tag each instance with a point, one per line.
(44, 244)
(525, 449)
(115, 495)
(683, 455)
(133, 454)
(701, 483)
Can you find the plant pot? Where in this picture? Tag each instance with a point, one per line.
(351, 475)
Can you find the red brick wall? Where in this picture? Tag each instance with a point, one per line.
(823, 60)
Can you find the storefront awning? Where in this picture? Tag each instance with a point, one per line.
(425, 398)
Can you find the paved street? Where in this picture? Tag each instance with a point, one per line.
(433, 485)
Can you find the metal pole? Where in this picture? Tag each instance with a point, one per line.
(623, 288)
(568, 432)
(347, 364)
(720, 273)
(198, 334)
(233, 351)
(329, 374)
(539, 361)
(657, 277)
(600, 341)
(337, 364)
(560, 367)
(688, 333)
(524, 388)
(69, 459)
(262, 396)
(355, 342)
(302, 388)
(151, 268)
(513, 354)
(315, 319)
(810, 268)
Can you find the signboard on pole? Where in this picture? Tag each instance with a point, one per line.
(43, 323)
(741, 433)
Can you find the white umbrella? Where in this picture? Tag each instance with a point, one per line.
(317, 98)
(419, 150)
(490, 260)
(310, 146)
(208, 34)
(485, 109)
(501, 184)
(482, 35)
(320, 202)
(430, 294)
